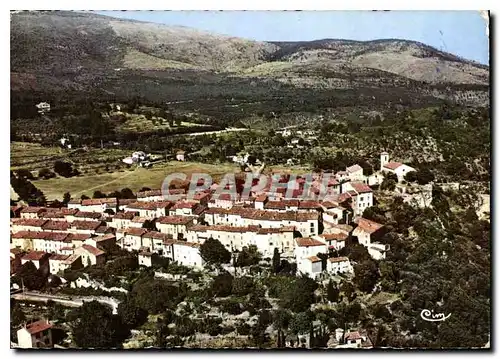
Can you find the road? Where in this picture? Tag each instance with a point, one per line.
(212, 132)
(66, 300)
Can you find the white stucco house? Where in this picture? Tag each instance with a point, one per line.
(398, 168)
(35, 335)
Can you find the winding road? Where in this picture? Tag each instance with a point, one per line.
(73, 301)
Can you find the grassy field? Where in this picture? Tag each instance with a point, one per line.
(33, 156)
(134, 179)
(102, 169)
(137, 178)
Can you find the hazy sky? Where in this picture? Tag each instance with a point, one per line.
(462, 33)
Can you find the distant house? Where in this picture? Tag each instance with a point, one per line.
(335, 241)
(339, 265)
(57, 263)
(174, 225)
(351, 339)
(361, 196)
(355, 173)
(398, 168)
(188, 254)
(366, 231)
(35, 335)
(179, 156)
(306, 250)
(131, 238)
(90, 255)
(145, 259)
(43, 107)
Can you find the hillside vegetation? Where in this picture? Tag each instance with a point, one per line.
(64, 55)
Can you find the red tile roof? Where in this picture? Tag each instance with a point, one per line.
(38, 326)
(185, 205)
(152, 193)
(275, 230)
(58, 257)
(138, 219)
(368, 226)
(353, 336)
(176, 219)
(275, 205)
(361, 187)
(139, 232)
(52, 214)
(338, 259)
(291, 202)
(86, 225)
(83, 214)
(334, 236)
(308, 242)
(155, 235)
(261, 197)
(392, 165)
(224, 197)
(314, 259)
(93, 250)
(51, 236)
(125, 215)
(201, 195)
(329, 204)
(309, 205)
(79, 236)
(264, 215)
(98, 201)
(354, 168)
(33, 209)
(34, 256)
(187, 244)
(29, 222)
(105, 237)
(56, 226)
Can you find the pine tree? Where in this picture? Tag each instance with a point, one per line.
(332, 292)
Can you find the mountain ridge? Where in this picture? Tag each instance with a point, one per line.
(61, 50)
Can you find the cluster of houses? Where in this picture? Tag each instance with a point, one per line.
(81, 233)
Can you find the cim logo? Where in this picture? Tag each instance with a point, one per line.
(430, 316)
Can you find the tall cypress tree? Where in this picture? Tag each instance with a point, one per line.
(332, 292)
(276, 261)
(312, 344)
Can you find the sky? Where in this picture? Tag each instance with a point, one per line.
(462, 33)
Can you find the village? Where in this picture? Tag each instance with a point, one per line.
(308, 233)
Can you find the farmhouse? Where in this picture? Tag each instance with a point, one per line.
(35, 335)
(187, 254)
(90, 255)
(122, 219)
(355, 173)
(175, 225)
(339, 265)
